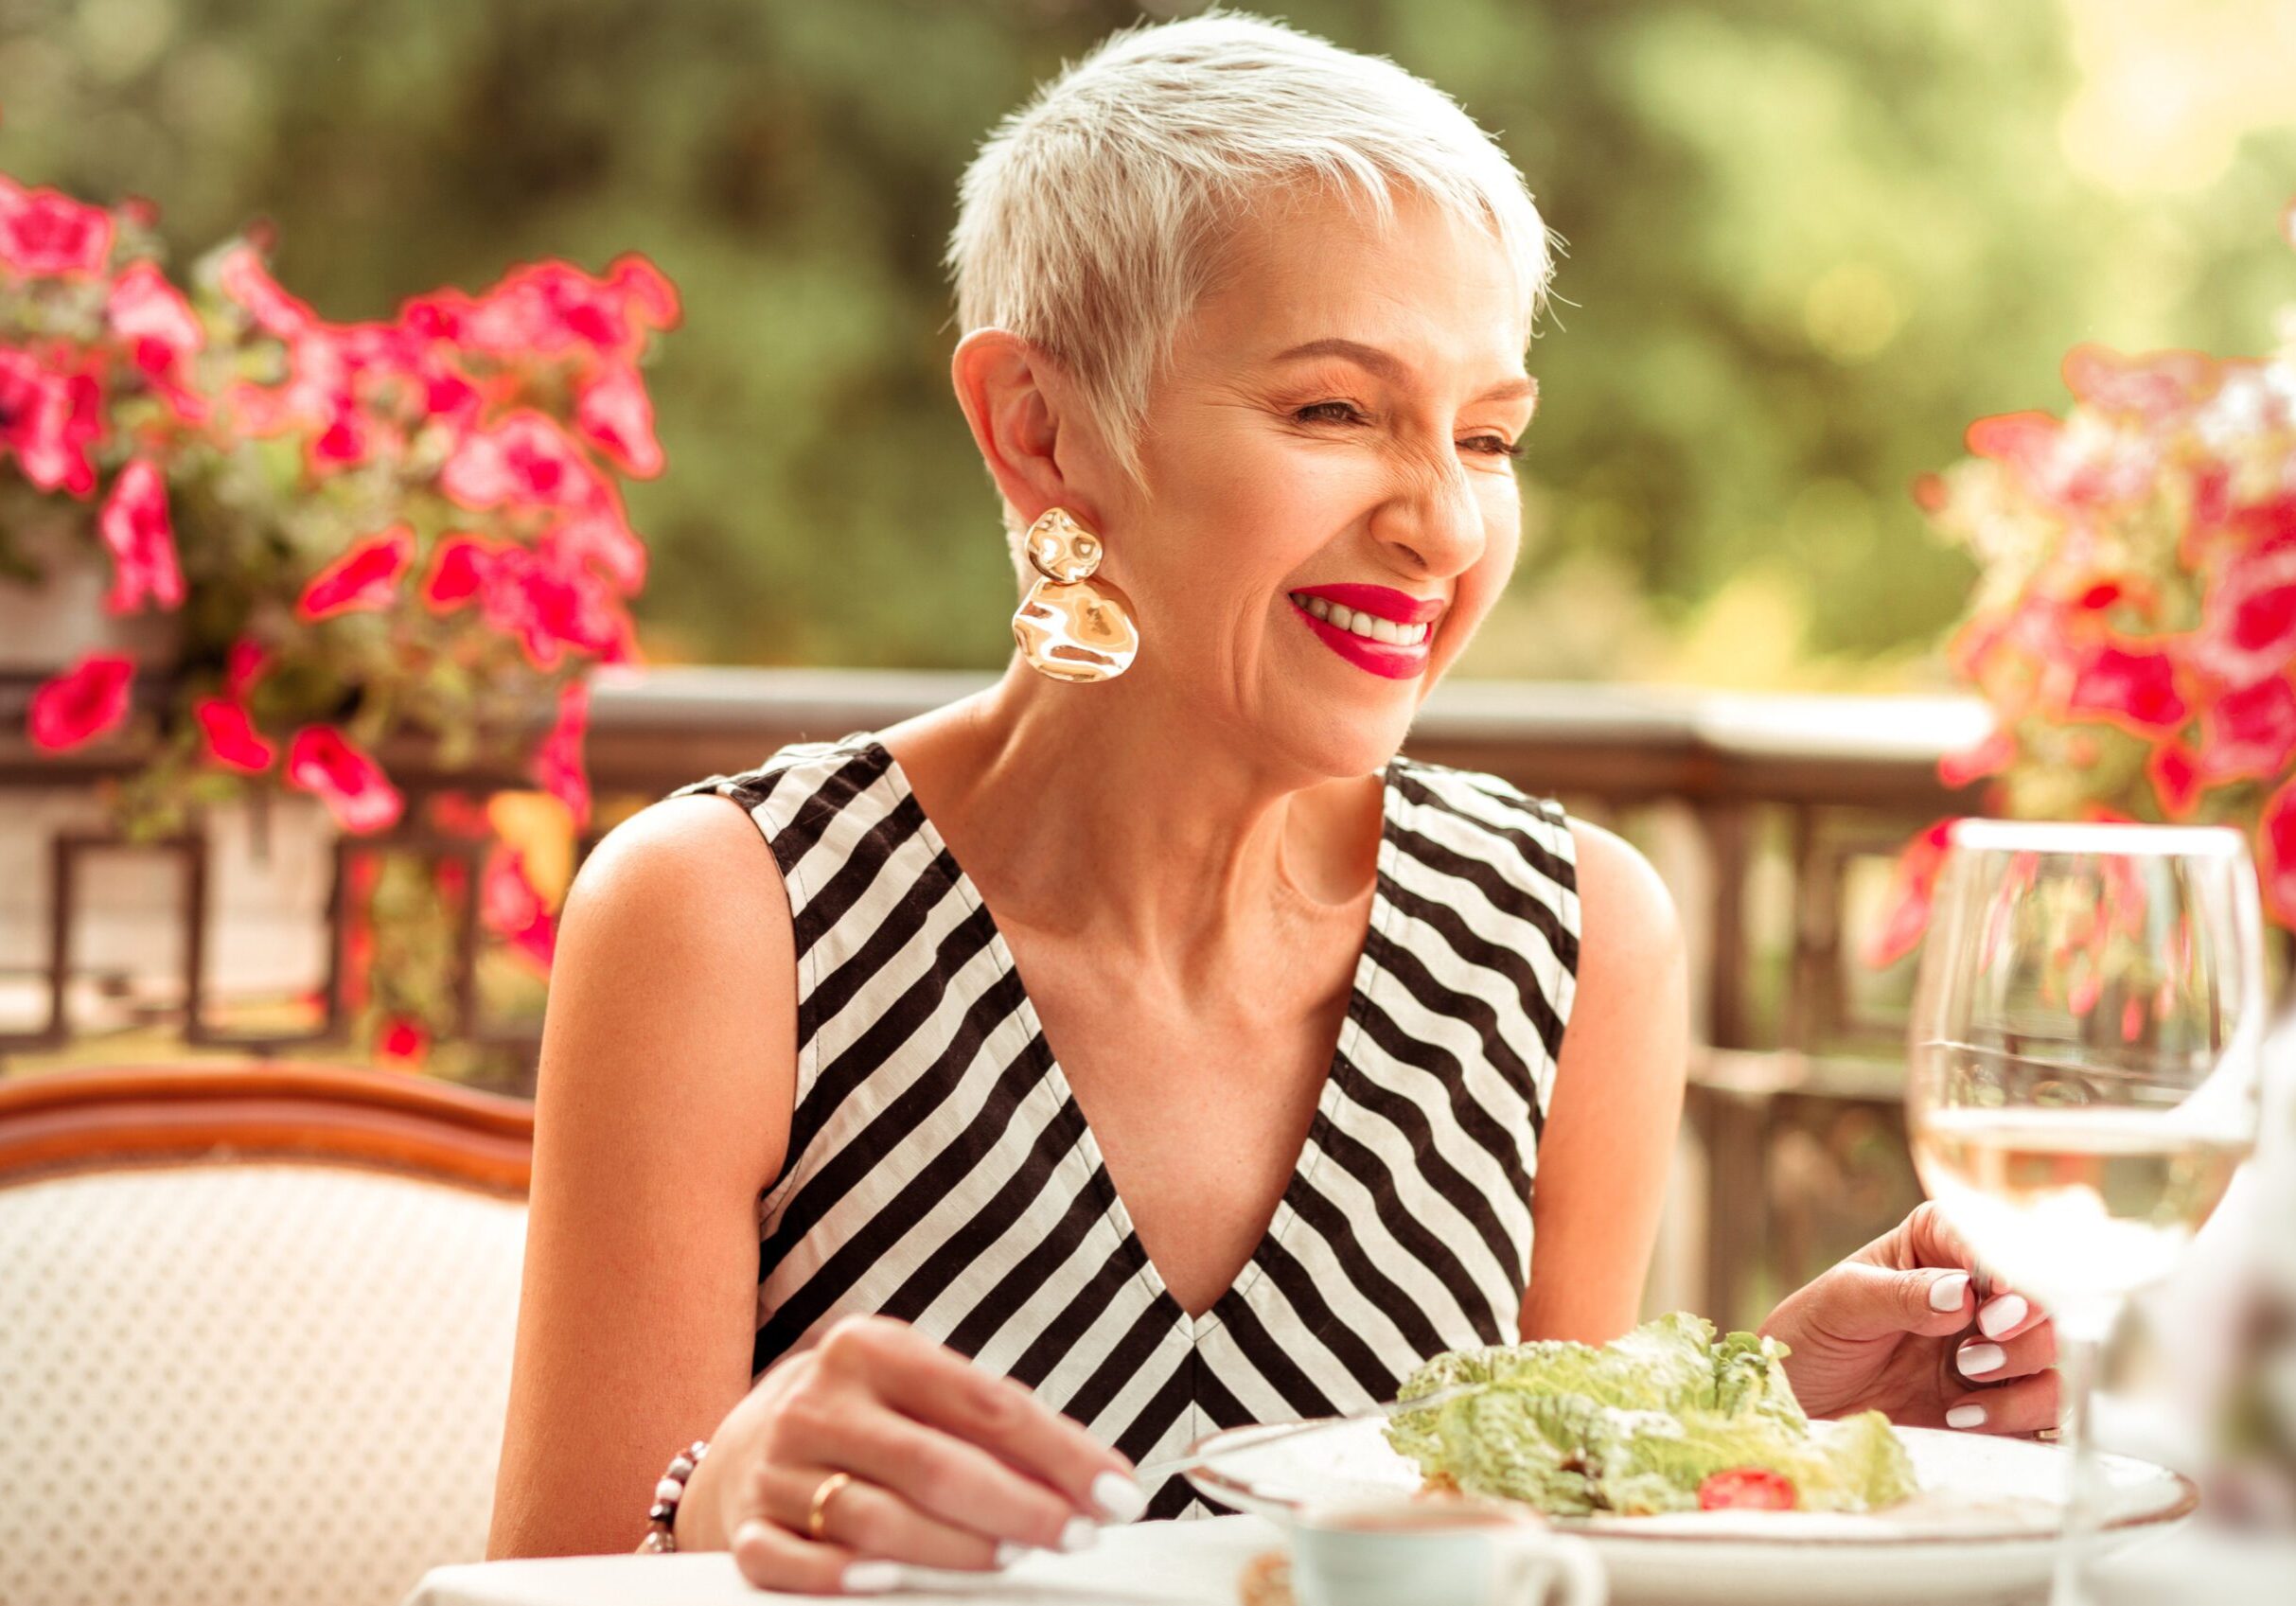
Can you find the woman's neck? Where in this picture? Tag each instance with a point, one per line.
(1103, 814)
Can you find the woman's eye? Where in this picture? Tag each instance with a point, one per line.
(1494, 446)
(1329, 413)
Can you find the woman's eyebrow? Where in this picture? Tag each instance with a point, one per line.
(1392, 368)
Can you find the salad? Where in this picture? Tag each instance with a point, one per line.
(1666, 1418)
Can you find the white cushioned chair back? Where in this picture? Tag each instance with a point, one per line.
(248, 1384)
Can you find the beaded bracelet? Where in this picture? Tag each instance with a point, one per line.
(662, 1519)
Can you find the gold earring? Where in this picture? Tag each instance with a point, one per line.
(1070, 626)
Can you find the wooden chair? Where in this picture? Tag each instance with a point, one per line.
(254, 1331)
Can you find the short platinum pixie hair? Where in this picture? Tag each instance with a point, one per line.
(1092, 219)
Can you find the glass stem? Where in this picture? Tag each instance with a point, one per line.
(2080, 1345)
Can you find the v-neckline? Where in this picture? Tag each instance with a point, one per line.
(1113, 1210)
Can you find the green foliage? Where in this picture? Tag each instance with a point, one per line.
(1807, 243)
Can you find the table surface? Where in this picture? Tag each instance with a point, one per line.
(1191, 1563)
(1195, 1564)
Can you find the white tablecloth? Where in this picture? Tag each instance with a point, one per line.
(1153, 1563)
(1196, 1564)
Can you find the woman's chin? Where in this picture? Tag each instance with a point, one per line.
(1343, 737)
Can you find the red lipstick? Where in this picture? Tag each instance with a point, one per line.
(1392, 661)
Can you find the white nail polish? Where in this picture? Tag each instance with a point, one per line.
(1975, 1360)
(1966, 1416)
(1007, 1553)
(871, 1578)
(1119, 1498)
(2001, 1316)
(1945, 1293)
(1079, 1533)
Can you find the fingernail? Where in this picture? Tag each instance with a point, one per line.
(871, 1578)
(1975, 1360)
(1966, 1416)
(1079, 1533)
(1120, 1498)
(1007, 1553)
(1945, 1293)
(2001, 1316)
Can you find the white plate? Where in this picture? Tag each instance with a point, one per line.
(1984, 1527)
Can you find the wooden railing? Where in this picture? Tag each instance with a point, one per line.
(1773, 817)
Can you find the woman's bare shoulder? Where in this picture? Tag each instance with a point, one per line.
(676, 977)
(1628, 917)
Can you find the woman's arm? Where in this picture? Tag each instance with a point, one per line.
(669, 1073)
(1617, 1097)
(669, 1078)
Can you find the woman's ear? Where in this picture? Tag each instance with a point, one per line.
(1021, 411)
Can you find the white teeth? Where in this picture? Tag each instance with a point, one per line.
(1369, 626)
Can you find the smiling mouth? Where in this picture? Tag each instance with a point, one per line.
(1356, 622)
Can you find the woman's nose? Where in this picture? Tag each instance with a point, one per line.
(1433, 519)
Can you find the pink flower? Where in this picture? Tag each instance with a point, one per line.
(81, 703)
(552, 309)
(2248, 629)
(557, 763)
(648, 298)
(361, 579)
(1988, 757)
(2175, 779)
(2135, 689)
(144, 306)
(615, 416)
(246, 281)
(141, 538)
(50, 420)
(458, 572)
(232, 739)
(510, 908)
(2249, 734)
(243, 665)
(163, 334)
(1913, 885)
(46, 232)
(322, 761)
(2276, 853)
(601, 540)
(550, 610)
(403, 1044)
(2152, 390)
(527, 461)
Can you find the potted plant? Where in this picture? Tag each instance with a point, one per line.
(2133, 626)
(405, 535)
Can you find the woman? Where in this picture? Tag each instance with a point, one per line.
(930, 1256)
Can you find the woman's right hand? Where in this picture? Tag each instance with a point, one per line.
(949, 1465)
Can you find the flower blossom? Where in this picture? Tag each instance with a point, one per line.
(45, 232)
(50, 420)
(322, 761)
(81, 703)
(557, 761)
(231, 737)
(141, 539)
(361, 579)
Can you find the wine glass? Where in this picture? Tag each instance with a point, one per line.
(2086, 1036)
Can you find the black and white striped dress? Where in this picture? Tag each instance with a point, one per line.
(941, 1172)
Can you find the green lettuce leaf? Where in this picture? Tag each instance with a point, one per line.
(1636, 1426)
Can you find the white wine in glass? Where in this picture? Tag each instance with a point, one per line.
(2086, 1041)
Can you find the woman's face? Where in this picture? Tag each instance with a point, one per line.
(1330, 504)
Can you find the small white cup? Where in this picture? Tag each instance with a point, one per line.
(1458, 1551)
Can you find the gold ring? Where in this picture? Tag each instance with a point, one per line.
(817, 1516)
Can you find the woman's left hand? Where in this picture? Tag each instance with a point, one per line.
(1897, 1329)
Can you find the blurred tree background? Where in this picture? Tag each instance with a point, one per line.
(1807, 243)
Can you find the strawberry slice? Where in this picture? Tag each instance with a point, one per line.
(1748, 1488)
